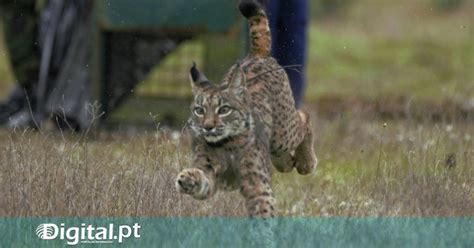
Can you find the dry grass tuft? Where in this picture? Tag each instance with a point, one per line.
(366, 169)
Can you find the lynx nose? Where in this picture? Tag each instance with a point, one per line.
(209, 124)
(208, 128)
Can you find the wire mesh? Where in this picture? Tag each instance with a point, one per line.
(170, 77)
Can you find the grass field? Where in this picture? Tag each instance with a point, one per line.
(366, 169)
(370, 50)
(387, 48)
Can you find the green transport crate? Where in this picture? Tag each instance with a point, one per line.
(215, 25)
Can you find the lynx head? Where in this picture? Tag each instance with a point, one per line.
(219, 112)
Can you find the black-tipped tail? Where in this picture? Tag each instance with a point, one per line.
(249, 8)
(260, 39)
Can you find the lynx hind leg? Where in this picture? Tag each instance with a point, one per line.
(305, 157)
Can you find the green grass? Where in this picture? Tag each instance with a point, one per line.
(400, 48)
(377, 67)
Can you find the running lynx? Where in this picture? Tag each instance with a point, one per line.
(245, 124)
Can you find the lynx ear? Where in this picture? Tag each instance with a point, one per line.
(198, 80)
(237, 82)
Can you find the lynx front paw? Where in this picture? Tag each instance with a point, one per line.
(193, 182)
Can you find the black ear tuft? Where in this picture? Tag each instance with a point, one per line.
(249, 8)
(194, 73)
(197, 78)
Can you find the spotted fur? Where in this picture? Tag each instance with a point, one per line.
(245, 124)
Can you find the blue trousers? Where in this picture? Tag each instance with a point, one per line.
(288, 21)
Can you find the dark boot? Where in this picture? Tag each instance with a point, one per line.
(16, 101)
(21, 120)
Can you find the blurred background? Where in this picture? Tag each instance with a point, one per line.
(369, 56)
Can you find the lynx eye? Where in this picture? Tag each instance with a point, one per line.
(224, 110)
(198, 111)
